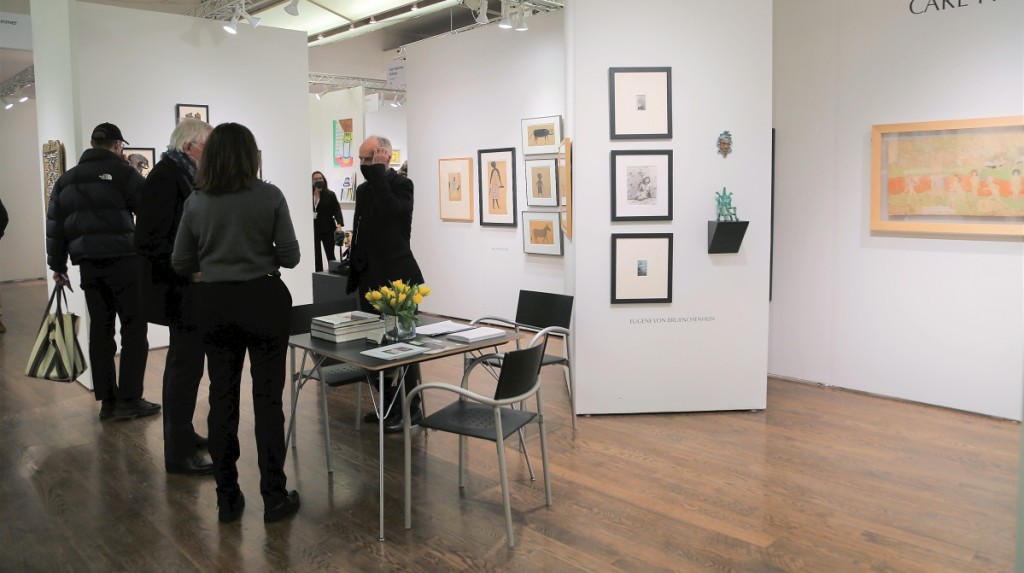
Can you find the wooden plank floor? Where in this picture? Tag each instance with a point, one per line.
(823, 480)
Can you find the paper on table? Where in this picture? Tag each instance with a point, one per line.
(438, 328)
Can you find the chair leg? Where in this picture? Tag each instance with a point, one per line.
(526, 454)
(359, 406)
(408, 479)
(462, 462)
(504, 478)
(291, 420)
(570, 386)
(544, 451)
(327, 421)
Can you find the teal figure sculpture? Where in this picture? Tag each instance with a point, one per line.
(726, 212)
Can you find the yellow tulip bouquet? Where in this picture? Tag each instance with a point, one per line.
(400, 300)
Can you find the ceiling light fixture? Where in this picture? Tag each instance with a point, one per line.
(481, 15)
(292, 9)
(373, 20)
(415, 7)
(23, 99)
(232, 26)
(317, 94)
(252, 20)
(521, 21)
(7, 104)
(505, 22)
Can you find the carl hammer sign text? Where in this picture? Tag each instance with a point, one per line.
(924, 6)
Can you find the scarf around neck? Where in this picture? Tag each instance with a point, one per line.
(185, 163)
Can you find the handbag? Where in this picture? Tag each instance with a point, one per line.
(56, 354)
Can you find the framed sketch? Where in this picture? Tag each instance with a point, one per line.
(642, 185)
(640, 103)
(961, 177)
(541, 233)
(53, 168)
(396, 157)
(197, 111)
(542, 182)
(497, 186)
(542, 134)
(641, 268)
(455, 188)
(565, 185)
(142, 159)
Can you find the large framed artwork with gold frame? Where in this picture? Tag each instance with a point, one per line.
(564, 173)
(53, 168)
(960, 177)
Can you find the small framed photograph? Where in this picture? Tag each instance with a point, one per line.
(641, 268)
(541, 233)
(141, 159)
(455, 188)
(497, 186)
(542, 182)
(565, 185)
(642, 185)
(640, 103)
(542, 134)
(183, 110)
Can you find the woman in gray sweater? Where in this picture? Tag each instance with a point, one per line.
(235, 234)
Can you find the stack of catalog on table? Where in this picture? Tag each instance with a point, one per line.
(345, 326)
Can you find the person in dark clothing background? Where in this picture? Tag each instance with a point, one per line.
(327, 219)
(381, 243)
(169, 298)
(89, 219)
(3, 227)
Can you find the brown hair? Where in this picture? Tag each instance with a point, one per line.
(230, 160)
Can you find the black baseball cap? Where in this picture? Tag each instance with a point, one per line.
(107, 132)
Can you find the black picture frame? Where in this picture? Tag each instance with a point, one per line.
(635, 196)
(641, 268)
(492, 180)
(182, 110)
(640, 103)
(145, 155)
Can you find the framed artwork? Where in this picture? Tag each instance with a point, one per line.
(197, 111)
(497, 186)
(541, 233)
(961, 177)
(455, 188)
(642, 185)
(641, 268)
(640, 103)
(142, 159)
(542, 134)
(396, 157)
(53, 168)
(542, 182)
(565, 185)
(259, 166)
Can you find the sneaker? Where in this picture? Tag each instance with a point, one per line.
(137, 408)
(107, 409)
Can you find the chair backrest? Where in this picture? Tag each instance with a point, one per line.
(302, 315)
(519, 371)
(544, 309)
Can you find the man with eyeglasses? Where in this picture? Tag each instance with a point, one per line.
(170, 298)
(381, 245)
(89, 219)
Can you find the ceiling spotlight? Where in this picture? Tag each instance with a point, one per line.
(481, 16)
(505, 22)
(373, 20)
(292, 8)
(7, 104)
(253, 20)
(317, 94)
(23, 99)
(415, 7)
(319, 36)
(521, 22)
(232, 26)
(352, 27)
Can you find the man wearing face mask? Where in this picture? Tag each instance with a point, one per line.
(327, 219)
(381, 248)
(169, 297)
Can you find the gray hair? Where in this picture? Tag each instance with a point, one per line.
(383, 142)
(189, 130)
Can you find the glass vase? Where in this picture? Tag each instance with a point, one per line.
(394, 331)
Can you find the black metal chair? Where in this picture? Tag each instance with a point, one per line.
(551, 313)
(328, 372)
(477, 416)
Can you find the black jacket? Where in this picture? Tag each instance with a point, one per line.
(90, 212)
(164, 291)
(381, 231)
(328, 211)
(3, 218)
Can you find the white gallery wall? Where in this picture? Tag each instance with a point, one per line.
(468, 92)
(22, 250)
(934, 320)
(707, 349)
(257, 78)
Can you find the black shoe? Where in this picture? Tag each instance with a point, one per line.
(197, 465)
(393, 425)
(371, 418)
(107, 409)
(283, 509)
(137, 408)
(202, 442)
(229, 508)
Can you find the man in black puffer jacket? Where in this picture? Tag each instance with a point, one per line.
(89, 219)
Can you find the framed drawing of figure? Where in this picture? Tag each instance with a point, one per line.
(497, 186)
(455, 188)
(642, 185)
(541, 183)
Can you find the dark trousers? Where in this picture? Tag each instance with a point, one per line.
(326, 242)
(412, 374)
(238, 317)
(183, 372)
(111, 288)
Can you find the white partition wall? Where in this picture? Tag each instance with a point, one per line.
(933, 320)
(707, 348)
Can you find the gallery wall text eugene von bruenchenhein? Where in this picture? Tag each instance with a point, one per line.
(924, 6)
